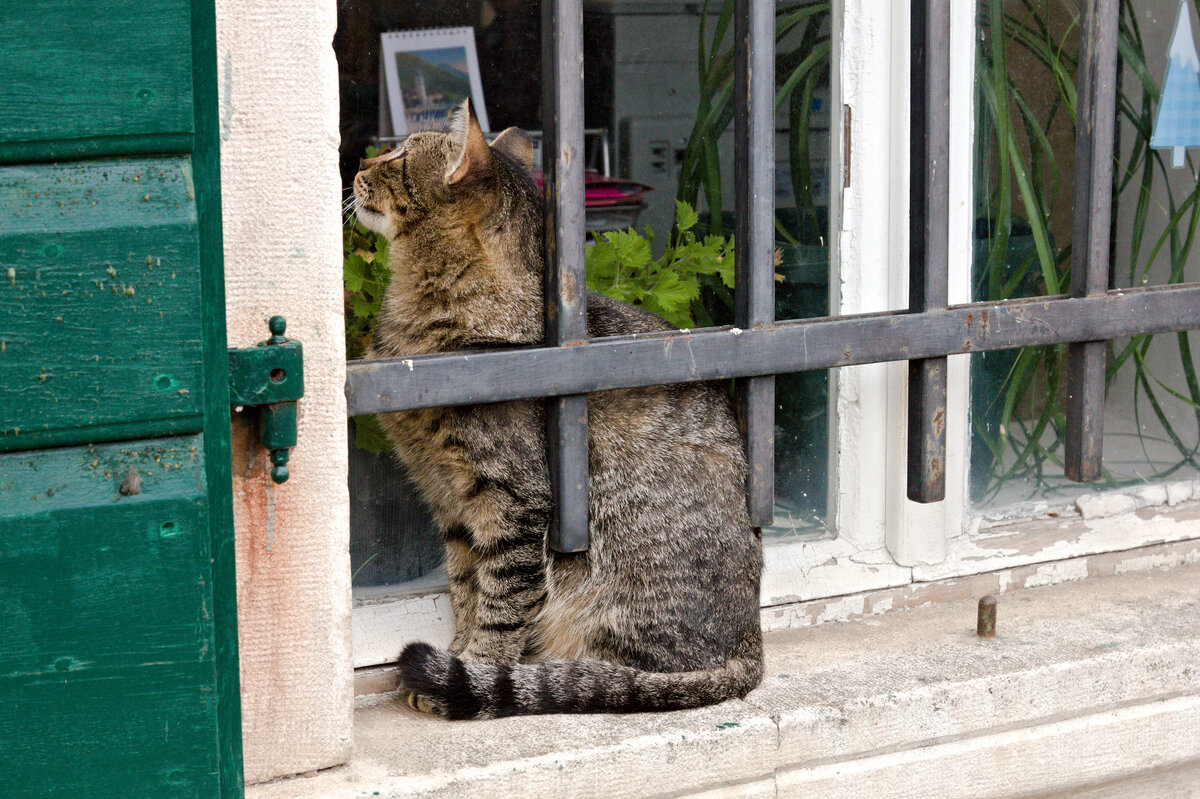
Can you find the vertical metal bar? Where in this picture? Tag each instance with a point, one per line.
(754, 230)
(928, 249)
(566, 309)
(1094, 136)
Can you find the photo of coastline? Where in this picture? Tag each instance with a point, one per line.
(428, 73)
(432, 82)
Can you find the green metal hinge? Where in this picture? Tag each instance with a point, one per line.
(270, 376)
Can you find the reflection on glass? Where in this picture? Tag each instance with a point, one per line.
(1025, 84)
(659, 110)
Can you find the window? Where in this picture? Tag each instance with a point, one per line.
(641, 101)
(844, 478)
(1019, 397)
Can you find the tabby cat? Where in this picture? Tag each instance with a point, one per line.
(662, 611)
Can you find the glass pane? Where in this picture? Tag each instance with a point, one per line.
(658, 109)
(1026, 68)
(802, 196)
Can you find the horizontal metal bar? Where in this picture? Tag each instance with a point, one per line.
(468, 378)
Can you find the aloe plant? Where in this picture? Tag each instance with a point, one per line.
(803, 48)
(1023, 173)
(1024, 188)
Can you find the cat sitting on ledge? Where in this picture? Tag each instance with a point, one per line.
(662, 612)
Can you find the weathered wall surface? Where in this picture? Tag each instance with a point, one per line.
(280, 195)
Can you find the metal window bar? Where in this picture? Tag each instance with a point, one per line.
(929, 238)
(565, 288)
(754, 235)
(1094, 136)
(760, 348)
(720, 353)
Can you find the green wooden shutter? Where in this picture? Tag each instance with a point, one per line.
(118, 640)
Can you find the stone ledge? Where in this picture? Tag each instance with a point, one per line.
(1087, 684)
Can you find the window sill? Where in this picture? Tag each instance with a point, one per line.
(805, 582)
(1088, 682)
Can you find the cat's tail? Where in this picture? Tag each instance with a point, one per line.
(459, 690)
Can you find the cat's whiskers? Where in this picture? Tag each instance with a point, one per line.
(349, 211)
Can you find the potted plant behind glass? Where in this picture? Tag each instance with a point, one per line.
(1022, 173)
(803, 47)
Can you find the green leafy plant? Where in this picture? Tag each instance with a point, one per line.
(365, 276)
(621, 265)
(1020, 170)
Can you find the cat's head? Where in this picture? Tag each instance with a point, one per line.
(454, 175)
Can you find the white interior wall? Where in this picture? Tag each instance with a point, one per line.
(280, 196)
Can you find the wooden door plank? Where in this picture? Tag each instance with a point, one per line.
(84, 79)
(100, 330)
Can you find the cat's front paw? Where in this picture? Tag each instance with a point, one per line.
(421, 704)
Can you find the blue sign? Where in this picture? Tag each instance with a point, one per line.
(1177, 125)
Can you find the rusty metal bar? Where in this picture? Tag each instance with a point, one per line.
(566, 296)
(754, 234)
(468, 378)
(928, 249)
(985, 617)
(1094, 137)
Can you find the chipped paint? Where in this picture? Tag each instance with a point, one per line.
(1060, 572)
(971, 587)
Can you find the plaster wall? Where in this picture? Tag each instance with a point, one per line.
(280, 196)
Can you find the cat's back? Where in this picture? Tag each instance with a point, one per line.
(609, 317)
(669, 455)
(695, 414)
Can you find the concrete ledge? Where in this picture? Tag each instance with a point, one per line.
(1090, 687)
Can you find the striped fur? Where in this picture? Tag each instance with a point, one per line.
(662, 611)
(457, 690)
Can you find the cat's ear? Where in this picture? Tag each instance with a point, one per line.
(471, 148)
(514, 143)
